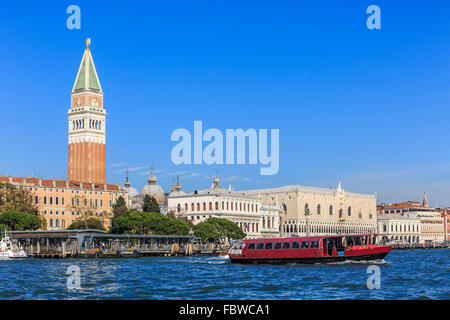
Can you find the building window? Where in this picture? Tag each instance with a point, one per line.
(318, 209)
(217, 205)
(331, 210)
(349, 211)
(306, 209)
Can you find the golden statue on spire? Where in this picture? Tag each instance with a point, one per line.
(88, 42)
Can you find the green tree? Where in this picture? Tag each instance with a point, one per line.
(89, 223)
(19, 199)
(226, 229)
(18, 221)
(150, 204)
(136, 222)
(206, 231)
(119, 207)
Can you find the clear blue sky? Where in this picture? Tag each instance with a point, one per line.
(369, 108)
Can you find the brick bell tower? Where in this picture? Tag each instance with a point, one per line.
(87, 125)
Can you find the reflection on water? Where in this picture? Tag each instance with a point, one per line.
(404, 275)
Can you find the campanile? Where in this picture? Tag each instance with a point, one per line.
(87, 126)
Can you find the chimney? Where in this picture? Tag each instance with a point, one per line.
(40, 182)
(81, 185)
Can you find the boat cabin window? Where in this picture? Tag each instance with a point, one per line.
(305, 245)
(251, 246)
(314, 244)
(295, 245)
(268, 245)
(286, 245)
(260, 246)
(277, 245)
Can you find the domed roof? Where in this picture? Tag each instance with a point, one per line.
(131, 191)
(153, 190)
(128, 188)
(176, 189)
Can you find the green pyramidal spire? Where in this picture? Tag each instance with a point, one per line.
(87, 78)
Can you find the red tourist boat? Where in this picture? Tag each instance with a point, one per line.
(319, 249)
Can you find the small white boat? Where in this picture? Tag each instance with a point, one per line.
(9, 250)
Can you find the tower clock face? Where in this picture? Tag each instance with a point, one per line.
(94, 102)
(78, 102)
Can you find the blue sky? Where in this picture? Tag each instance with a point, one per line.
(369, 108)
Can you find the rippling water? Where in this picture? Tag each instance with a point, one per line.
(419, 274)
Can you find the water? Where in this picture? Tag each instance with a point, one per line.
(419, 274)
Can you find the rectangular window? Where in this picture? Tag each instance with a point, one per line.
(286, 245)
(277, 245)
(305, 245)
(314, 244)
(269, 246)
(62, 201)
(36, 199)
(51, 200)
(45, 200)
(295, 245)
(251, 246)
(101, 203)
(260, 246)
(56, 200)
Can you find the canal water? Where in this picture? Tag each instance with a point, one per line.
(412, 274)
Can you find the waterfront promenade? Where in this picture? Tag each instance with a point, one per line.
(98, 244)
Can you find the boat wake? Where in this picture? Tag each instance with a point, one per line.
(365, 262)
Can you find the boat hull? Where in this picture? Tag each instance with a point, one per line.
(310, 260)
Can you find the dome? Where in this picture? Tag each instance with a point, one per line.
(131, 191)
(128, 188)
(154, 190)
(176, 189)
(177, 193)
